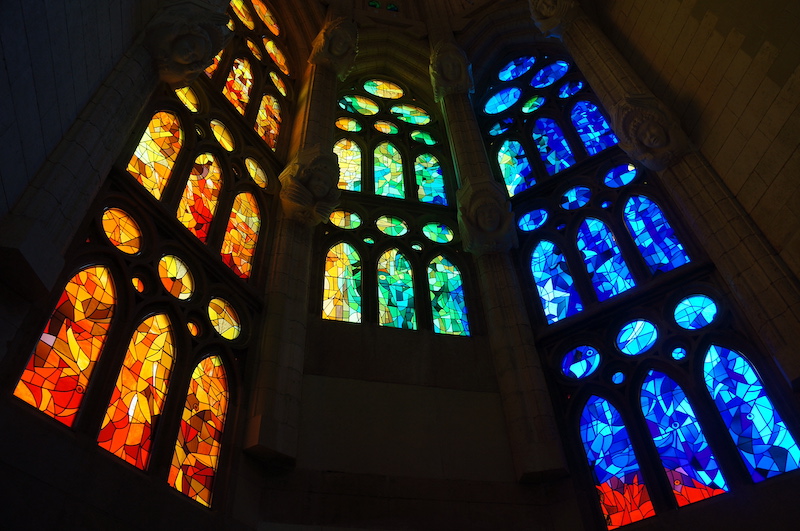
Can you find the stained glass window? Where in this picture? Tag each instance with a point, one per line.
(199, 201)
(430, 182)
(604, 262)
(580, 362)
(268, 120)
(155, 155)
(549, 74)
(388, 171)
(554, 283)
(122, 230)
(695, 312)
(349, 164)
(241, 235)
(176, 277)
(516, 68)
(224, 318)
(342, 284)
(395, 291)
(553, 147)
(447, 298)
(502, 100)
(653, 235)
(240, 82)
(637, 337)
(515, 168)
(592, 127)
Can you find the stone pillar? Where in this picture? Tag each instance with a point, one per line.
(764, 288)
(489, 232)
(308, 195)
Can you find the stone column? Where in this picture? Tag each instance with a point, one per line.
(489, 232)
(764, 288)
(308, 195)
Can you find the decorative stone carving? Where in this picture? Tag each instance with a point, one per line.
(309, 192)
(649, 132)
(336, 47)
(450, 71)
(184, 38)
(485, 218)
(552, 17)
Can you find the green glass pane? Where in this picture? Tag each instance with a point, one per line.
(358, 104)
(391, 226)
(349, 155)
(387, 128)
(345, 220)
(388, 171)
(422, 137)
(533, 104)
(348, 124)
(383, 89)
(410, 114)
(438, 232)
(395, 291)
(430, 182)
(447, 298)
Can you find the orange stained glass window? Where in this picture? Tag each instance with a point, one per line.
(122, 230)
(277, 55)
(223, 135)
(224, 318)
(155, 155)
(188, 97)
(266, 16)
(210, 69)
(194, 463)
(256, 172)
(241, 11)
(255, 50)
(139, 393)
(55, 379)
(268, 121)
(138, 284)
(199, 201)
(237, 87)
(278, 82)
(241, 235)
(176, 277)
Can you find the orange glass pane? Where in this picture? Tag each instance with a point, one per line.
(188, 97)
(199, 200)
(278, 82)
(223, 135)
(138, 284)
(277, 55)
(155, 155)
(176, 277)
(122, 231)
(193, 328)
(241, 235)
(241, 11)
(237, 87)
(139, 393)
(55, 379)
(266, 16)
(268, 121)
(224, 318)
(256, 172)
(194, 463)
(255, 50)
(210, 69)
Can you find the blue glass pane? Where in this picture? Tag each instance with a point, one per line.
(620, 175)
(553, 147)
(549, 74)
(502, 100)
(757, 430)
(501, 127)
(687, 458)
(516, 68)
(395, 291)
(556, 288)
(580, 362)
(623, 495)
(575, 197)
(515, 167)
(617, 378)
(430, 182)
(637, 337)
(653, 235)
(695, 312)
(604, 263)
(570, 88)
(447, 298)
(679, 353)
(592, 127)
(532, 220)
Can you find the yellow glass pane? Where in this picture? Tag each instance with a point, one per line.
(176, 277)
(139, 393)
(278, 82)
(224, 318)
(255, 50)
(348, 124)
(188, 97)
(241, 235)
(268, 120)
(223, 135)
(277, 55)
(193, 328)
(213, 66)
(155, 155)
(240, 82)
(266, 16)
(122, 230)
(199, 201)
(349, 155)
(383, 89)
(256, 172)
(241, 11)
(138, 284)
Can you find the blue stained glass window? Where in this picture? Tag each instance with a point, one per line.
(549, 74)
(617, 378)
(679, 353)
(555, 285)
(553, 147)
(447, 298)
(388, 171)
(501, 127)
(515, 167)
(570, 88)
(653, 235)
(637, 337)
(688, 460)
(516, 68)
(757, 430)
(619, 176)
(430, 182)
(580, 362)
(592, 127)
(502, 100)
(695, 312)
(532, 220)
(575, 198)
(395, 291)
(623, 495)
(604, 262)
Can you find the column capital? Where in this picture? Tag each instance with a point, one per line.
(450, 70)
(336, 46)
(485, 218)
(309, 190)
(553, 17)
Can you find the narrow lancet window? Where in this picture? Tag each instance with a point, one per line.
(155, 155)
(342, 284)
(388, 171)
(604, 263)
(653, 235)
(592, 127)
(447, 298)
(241, 235)
(430, 182)
(553, 147)
(199, 200)
(268, 120)
(554, 283)
(238, 85)
(395, 291)
(349, 155)
(515, 168)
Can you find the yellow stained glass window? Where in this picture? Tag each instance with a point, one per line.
(243, 13)
(155, 155)
(122, 230)
(224, 318)
(138, 284)
(223, 135)
(256, 172)
(383, 89)
(193, 328)
(266, 16)
(278, 82)
(199, 201)
(240, 82)
(349, 164)
(194, 463)
(139, 393)
(55, 379)
(255, 50)
(188, 97)
(213, 66)
(268, 121)
(241, 235)
(176, 277)
(277, 55)
(341, 298)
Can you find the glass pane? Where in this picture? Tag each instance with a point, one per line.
(438, 232)
(516, 68)
(277, 55)
(592, 127)
(241, 11)
(388, 171)
(387, 128)
(240, 82)
(122, 230)
(188, 97)
(604, 263)
(176, 277)
(341, 297)
(349, 164)
(345, 220)
(278, 82)
(268, 120)
(430, 181)
(199, 201)
(532, 220)
(554, 283)
(580, 362)
(637, 337)
(359, 104)
(533, 104)
(410, 114)
(514, 166)
(224, 318)
(502, 100)
(553, 147)
(256, 172)
(422, 137)
(621, 175)
(223, 135)
(695, 312)
(447, 298)
(241, 235)
(348, 124)
(155, 155)
(395, 291)
(653, 235)
(575, 198)
(570, 88)
(549, 74)
(391, 226)
(383, 89)
(266, 16)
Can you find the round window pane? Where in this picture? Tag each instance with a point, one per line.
(620, 175)
(502, 100)
(391, 226)
(695, 312)
(438, 232)
(516, 68)
(532, 220)
(637, 337)
(580, 362)
(575, 197)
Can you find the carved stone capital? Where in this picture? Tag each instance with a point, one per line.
(184, 37)
(485, 218)
(450, 71)
(336, 47)
(308, 186)
(649, 132)
(553, 17)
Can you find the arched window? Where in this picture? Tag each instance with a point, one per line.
(396, 291)
(554, 283)
(447, 298)
(592, 127)
(200, 197)
(151, 163)
(342, 284)
(653, 235)
(604, 263)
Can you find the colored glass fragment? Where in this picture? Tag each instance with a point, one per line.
(58, 371)
(623, 495)
(580, 362)
(410, 114)
(502, 100)
(679, 353)
(345, 220)
(176, 277)
(256, 172)
(637, 337)
(447, 298)
(341, 287)
(194, 463)
(388, 171)
(276, 55)
(383, 89)
(575, 197)
(395, 291)
(348, 124)
(604, 263)
(533, 104)
(188, 98)
(617, 378)
(695, 312)
(193, 328)
(570, 88)
(549, 74)
(210, 69)
(266, 17)
(155, 155)
(422, 137)
(369, 240)
(438, 232)
(554, 283)
(254, 49)
(138, 396)
(199, 201)
(238, 85)
(387, 128)
(391, 226)
(553, 147)
(278, 82)
(138, 284)
(501, 127)
(592, 127)
(653, 235)
(241, 10)
(223, 135)
(532, 220)
(268, 120)
(122, 230)
(619, 176)
(605, 204)
(359, 104)
(430, 181)
(241, 235)
(515, 68)
(416, 246)
(224, 318)
(514, 167)
(349, 164)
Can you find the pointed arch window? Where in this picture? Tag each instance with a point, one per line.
(553, 147)
(592, 127)
(388, 171)
(200, 197)
(349, 164)
(396, 291)
(155, 155)
(554, 283)
(342, 284)
(239, 84)
(604, 263)
(241, 234)
(447, 298)
(655, 238)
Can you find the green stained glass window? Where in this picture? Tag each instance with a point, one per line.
(438, 232)
(430, 182)
(349, 164)
(388, 171)
(391, 226)
(341, 300)
(396, 291)
(422, 137)
(447, 298)
(345, 220)
(410, 114)
(387, 128)
(359, 104)
(533, 104)
(348, 124)
(383, 89)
